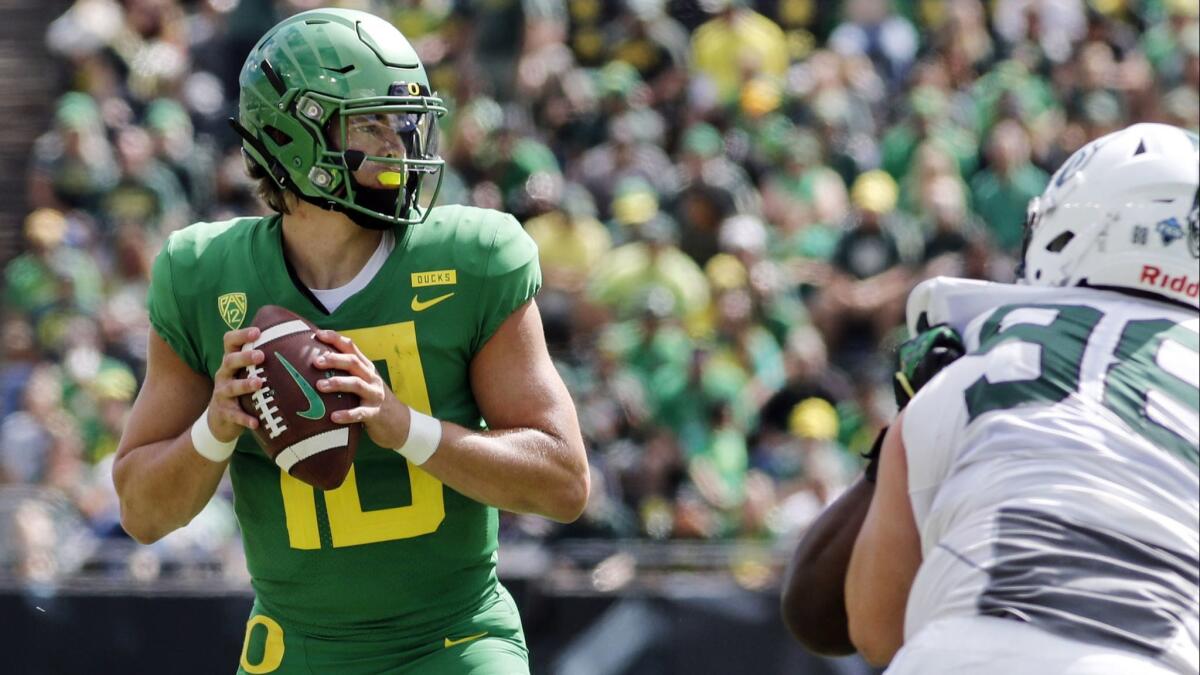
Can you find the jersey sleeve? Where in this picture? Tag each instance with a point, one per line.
(935, 421)
(511, 277)
(165, 315)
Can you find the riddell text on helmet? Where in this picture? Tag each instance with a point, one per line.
(1154, 276)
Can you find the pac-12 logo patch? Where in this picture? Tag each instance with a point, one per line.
(232, 307)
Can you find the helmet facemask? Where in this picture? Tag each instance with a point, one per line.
(376, 155)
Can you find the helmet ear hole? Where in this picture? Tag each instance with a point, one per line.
(1060, 242)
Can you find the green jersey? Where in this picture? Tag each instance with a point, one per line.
(392, 549)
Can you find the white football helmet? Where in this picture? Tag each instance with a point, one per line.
(1121, 213)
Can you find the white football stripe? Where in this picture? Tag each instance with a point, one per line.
(298, 452)
(277, 331)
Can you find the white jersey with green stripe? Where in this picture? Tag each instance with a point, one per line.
(1053, 471)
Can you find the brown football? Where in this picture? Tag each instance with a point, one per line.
(295, 428)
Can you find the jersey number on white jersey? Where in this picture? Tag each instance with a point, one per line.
(1151, 382)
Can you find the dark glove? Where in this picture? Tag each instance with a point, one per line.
(920, 358)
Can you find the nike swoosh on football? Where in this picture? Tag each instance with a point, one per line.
(450, 643)
(316, 407)
(419, 306)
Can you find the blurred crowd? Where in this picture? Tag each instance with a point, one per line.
(731, 199)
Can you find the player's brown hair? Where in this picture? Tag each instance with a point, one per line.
(275, 197)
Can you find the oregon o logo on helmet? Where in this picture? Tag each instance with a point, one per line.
(407, 89)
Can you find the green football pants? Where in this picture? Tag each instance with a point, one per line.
(490, 642)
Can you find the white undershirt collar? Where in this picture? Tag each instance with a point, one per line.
(332, 298)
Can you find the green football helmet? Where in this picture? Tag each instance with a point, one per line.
(336, 106)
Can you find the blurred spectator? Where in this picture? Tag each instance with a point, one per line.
(498, 33)
(656, 44)
(804, 196)
(73, 164)
(1171, 46)
(928, 125)
(35, 440)
(712, 189)
(1053, 26)
(863, 301)
(808, 375)
(147, 193)
(18, 358)
(50, 274)
(1001, 191)
(717, 470)
(627, 153)
(749, 351)
(871, 29)
(806, 462)
(570, 240)
(635, 203)
(628, 271)
(733, 47)
(955, 244)
(175, 147)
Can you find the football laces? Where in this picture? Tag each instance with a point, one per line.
(264, 400)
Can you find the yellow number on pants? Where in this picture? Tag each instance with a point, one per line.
(272, 654)
(349, 525)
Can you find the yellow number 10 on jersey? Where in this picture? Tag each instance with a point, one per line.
(349, 525)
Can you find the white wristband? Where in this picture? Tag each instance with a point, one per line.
(424, 435)
(207, 445)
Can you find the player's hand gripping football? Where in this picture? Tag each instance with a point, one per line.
(383, 416)
(226, 419)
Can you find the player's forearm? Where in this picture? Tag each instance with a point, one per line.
(886, 557)
(813, 603)
(519, 470)
(162, 486)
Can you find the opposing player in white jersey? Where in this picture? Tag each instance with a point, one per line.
(1036, 506)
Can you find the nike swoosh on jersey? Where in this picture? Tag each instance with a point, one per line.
(316, 407)
(420, 306)
(450, 643)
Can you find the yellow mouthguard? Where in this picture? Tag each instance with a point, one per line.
(391, 178)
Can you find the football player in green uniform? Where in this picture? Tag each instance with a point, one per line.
(431, 313)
